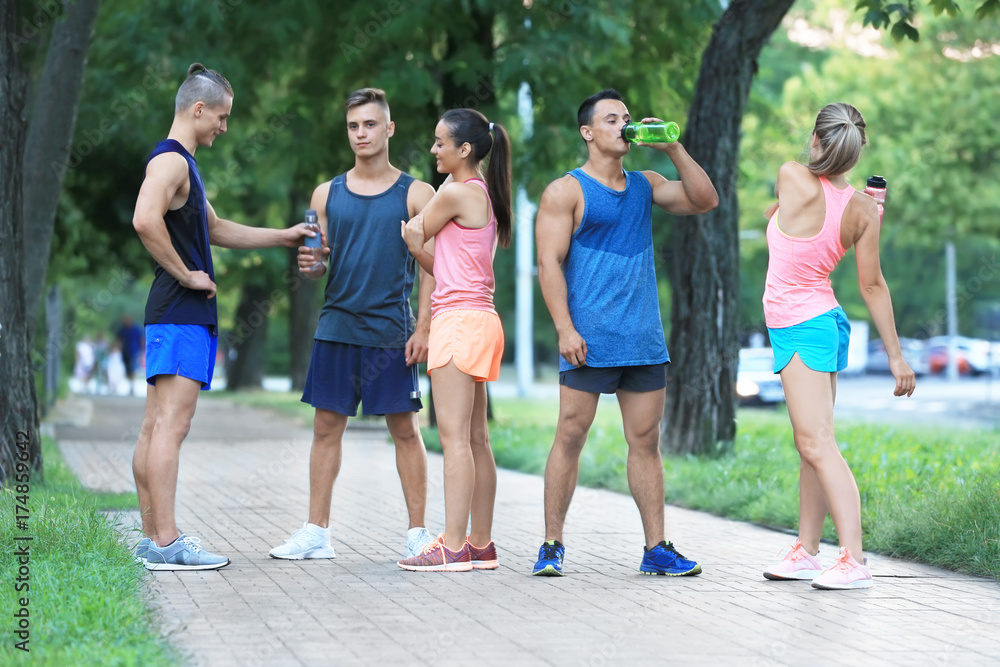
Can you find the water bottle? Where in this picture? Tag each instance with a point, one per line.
(313, 221)
(651, 133)
(876, 189)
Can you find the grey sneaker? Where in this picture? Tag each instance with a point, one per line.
(416, 540)
(309, 541)
(141, 549)
(184, 553)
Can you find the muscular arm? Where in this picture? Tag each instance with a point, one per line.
(229, 234)
(692, 194)
(167, 179)
(875, 293)
(553, 231)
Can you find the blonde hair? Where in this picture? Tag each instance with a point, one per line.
(202, 85)
(840, 129)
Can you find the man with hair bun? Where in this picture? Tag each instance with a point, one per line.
(367, 344)
(177, 225)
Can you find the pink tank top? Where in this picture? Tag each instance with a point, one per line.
(798, 270)
(463, 265)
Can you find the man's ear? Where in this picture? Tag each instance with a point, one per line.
(586, 133)
(390, 129)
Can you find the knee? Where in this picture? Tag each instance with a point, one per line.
(177, 425)
(328, 428)
(570, 439)
(811, 448)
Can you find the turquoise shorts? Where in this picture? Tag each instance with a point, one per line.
(821, 342)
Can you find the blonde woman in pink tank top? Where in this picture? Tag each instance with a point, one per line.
(819, 216)
(455, 239)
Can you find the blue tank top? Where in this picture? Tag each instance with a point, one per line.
(611, 276)
(169, 302)
(371, 271)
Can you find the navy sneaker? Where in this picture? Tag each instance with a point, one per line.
(665, 559)
(550, 559)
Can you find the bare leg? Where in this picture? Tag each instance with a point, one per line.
(324, 463)
(485, 492)
(641, 415)
(411, 463)
(454, 398)
(139, 462)
(809, 395)
(576, 414)
(176, 398)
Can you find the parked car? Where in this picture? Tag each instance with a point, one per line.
(914, 354)
(756, 382)
(973, 355)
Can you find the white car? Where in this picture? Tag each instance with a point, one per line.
(756, 382)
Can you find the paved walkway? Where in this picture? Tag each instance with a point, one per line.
(243, 488)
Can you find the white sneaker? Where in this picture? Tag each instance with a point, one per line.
(416, 540)
(309, 541)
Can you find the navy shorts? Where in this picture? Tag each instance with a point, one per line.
(611, 379)
(341, 375)
(187, 350)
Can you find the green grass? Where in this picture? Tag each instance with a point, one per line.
(86, 600)
(927, 494)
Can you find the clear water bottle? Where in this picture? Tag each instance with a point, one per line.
(876, 189)
(313, 221)
(651, 133)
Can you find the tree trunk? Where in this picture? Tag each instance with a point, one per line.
(18, 402)
(248, 340)
(699, 416)
(303, 315)
(50, 136)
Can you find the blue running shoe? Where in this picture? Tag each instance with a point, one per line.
(665, 559)
(550, 559)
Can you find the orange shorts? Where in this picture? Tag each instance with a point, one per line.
(473, 339)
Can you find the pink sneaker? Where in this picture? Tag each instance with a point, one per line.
(436, 557)
(484, 558)
(797, 565)
(845, 574)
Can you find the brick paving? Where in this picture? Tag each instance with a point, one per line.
(243, 488)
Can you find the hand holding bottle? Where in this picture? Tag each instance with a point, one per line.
(651, 132)
(876, 189)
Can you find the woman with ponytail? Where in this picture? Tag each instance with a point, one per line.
(821, 216)
(455, 238)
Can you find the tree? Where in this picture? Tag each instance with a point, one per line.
(18, 404)
(701, 403)
(700, 407)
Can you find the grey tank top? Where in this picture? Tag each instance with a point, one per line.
(371, 271)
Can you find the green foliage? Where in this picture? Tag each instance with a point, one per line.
(86, 605)
(900, 15)
(928, 108)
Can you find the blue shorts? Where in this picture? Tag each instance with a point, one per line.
(821, 342)
(187, 350)
(341, 375)
(608, 380)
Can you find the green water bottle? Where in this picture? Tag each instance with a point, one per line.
(651, 133)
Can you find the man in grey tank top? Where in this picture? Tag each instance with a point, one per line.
(596, 269)
(367, 344)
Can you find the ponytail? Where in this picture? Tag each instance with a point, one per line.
(487, 139)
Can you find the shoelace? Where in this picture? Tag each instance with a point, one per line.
(670, 548)
(194, 543)
(550, 551)
(841, 563)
